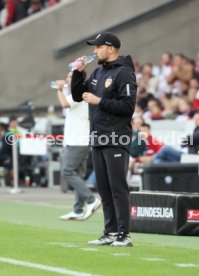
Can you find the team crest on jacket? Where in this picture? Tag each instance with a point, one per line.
(108, 82)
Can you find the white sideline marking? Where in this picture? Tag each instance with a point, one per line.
(62, 244)
(186, 265)
(89, 249)
(121, 254)
(44, 267)
(153, 259)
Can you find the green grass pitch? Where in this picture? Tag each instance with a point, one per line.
(33, 234)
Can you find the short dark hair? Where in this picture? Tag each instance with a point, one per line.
(12, 118)
(169, 54)
(157, 101)
(147, 64)
(146, 125)
(138, 117)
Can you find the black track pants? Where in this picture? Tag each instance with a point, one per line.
(111, 166)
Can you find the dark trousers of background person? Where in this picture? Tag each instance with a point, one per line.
(111, 166)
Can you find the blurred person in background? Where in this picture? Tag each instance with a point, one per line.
(177, 93)
(184, 110)
(138, 146)
(52, 3)
(193, 93)
(11, 135)
(168, 106)
(153, 145)
(16, 10)
(35, 7)
(156, 151)
(138, 73)
(143, 97)
(147, 80)
(76, 152)
(12, 11)
(155, 110)
(195, 74)
(6, 141)
(3, 129)
(2, 13)
(192, 141)
(181, 74)
(139, 110)
(1, 5)
(197, 64)
(165, 70)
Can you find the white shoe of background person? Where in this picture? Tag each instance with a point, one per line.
(72, 216)
(92, 208)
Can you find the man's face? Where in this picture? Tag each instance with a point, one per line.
(194, 84)
(165, 59)
(145, 132)
(13, 124)
(136, 123)
(103, 53)
(151, 105)
(147, 71)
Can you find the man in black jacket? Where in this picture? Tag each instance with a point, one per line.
(110, 92)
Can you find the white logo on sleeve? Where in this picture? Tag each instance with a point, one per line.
(117, 155)
(128, 89)
(94, 82)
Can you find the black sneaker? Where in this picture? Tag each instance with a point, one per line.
(106, 239)
(122, 240)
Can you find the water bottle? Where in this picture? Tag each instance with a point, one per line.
(53, 85)
(79, 63)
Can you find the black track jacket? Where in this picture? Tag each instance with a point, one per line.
(115, 84)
